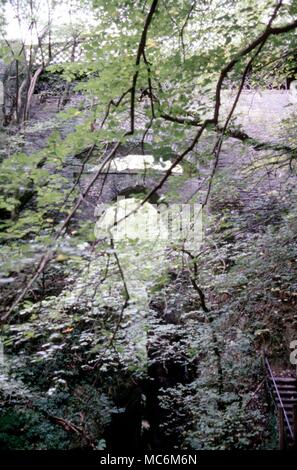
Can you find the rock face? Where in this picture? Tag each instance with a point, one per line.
(259, 113)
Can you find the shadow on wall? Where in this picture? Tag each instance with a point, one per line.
(137, 190)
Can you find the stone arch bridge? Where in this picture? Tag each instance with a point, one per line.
(132, 176)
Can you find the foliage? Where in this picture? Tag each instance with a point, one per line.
(96, 330)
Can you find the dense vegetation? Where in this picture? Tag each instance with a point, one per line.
(133, 344)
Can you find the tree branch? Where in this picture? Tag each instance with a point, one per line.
(140, 52)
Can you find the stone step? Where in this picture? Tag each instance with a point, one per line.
(285, 379)
(288, 400)
(287, 392)
(288, 406)
(283, 388)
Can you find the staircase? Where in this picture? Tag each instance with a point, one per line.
(283, 389)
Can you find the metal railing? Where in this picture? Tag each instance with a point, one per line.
(281, 405)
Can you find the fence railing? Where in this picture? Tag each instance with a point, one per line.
(59, 53)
